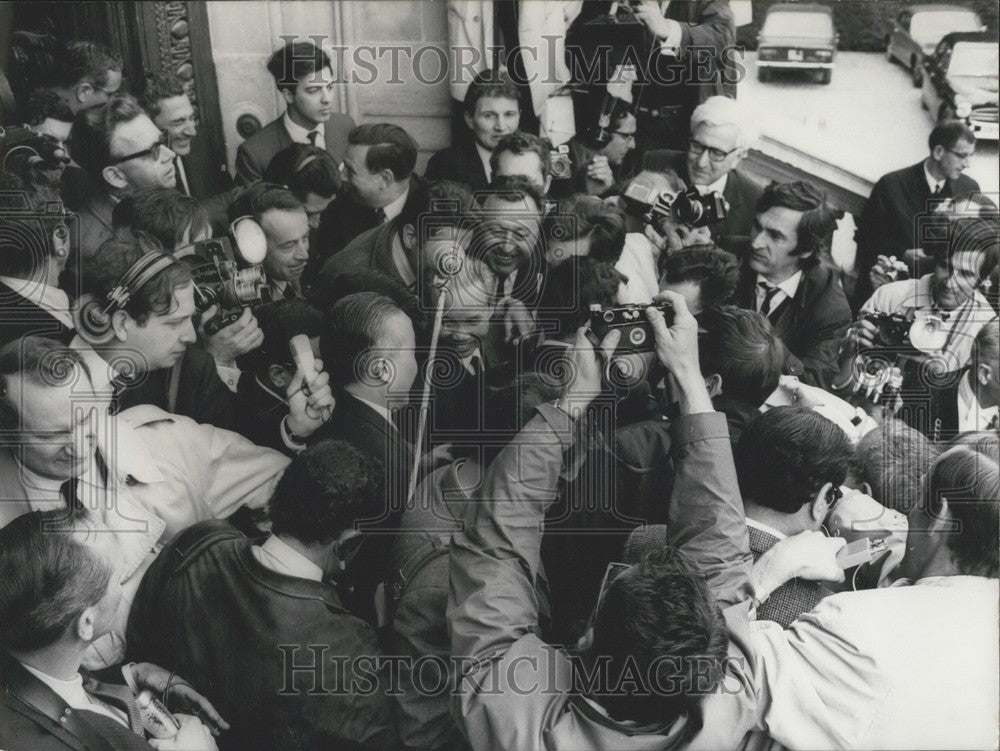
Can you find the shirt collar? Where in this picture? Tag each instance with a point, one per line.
(45, 296)
(717, 187)
(401, 262)
(790, 286)
(280, 557)
(761, 527)
(101, 373)
(931, 182)
(971, 416)
(300, 134)
(484, 156)
(395, 208)
(378, 408)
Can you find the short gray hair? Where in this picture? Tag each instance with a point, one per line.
(723, 111)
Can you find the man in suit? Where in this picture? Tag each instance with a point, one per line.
(121, 150)
(492, 111)
(788, 460)
(888, 225)
(377, 175)
(369, 349)
(785, 277)
(721, 136)
(304, 77)
(59, 595)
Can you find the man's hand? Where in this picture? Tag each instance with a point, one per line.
(808, 555)
(860, 336)
(648, 11)
(588, 371)
(193, 736)
(599, 175)
(181, 694)
(677, 349)
(310, 401)
(517, 321)
(241, 336)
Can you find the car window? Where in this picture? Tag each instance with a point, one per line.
(974, 59)
(798, 24)
(928, 28)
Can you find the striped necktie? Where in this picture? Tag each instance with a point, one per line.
(770, 290)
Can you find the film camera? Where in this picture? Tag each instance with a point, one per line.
(560, 163)
(231, 280)
(637, 333)
(899, 331)
(690, 207)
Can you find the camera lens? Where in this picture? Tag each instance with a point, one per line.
(609, 316)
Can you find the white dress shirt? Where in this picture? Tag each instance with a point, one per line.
(301, 135)
(45, 296)
(935, 185)
(72, 693)
(484, 156)
(278, 556)
(717, 187)
(786, 290)
(395, 208)
(971, 416)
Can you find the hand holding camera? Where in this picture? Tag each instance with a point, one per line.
(887, 269)
(599, 173)
(236, 339)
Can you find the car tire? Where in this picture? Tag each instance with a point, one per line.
(916, 73)
(824, 76)
(946, 112)
(763, 75)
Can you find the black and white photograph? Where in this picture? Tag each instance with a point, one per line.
(499, 375)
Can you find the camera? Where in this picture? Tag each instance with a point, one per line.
(561, 163)
(220, 279)
(690, 207)
(893, 328)
(637, 333)
(927, 334)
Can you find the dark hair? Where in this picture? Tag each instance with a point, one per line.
(279, 321)
(435, 204)
(818, 221)
(259, 198)
(523, 143)
(162, 213)
(661, 630)
(47, 579)
(391, 148)
(893, 460)
(572, 287)
(93, 129)
(103, 271)
(739, 346)
(27, 221)
(512, 188)
(593, 114)
(166, 85)
(715, 271)
(41, 361)
(326, 291)
(356, 324)
(970, 483)
(589, 217)
(44, 103)
(294, 62)
(324, 491)
(490, 84)
(785, 456)
(303, 169)
(84, 61)
(949, 133)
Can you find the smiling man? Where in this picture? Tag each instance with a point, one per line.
(785, 279)
(304, 77)
(168, 105)
(721, 135)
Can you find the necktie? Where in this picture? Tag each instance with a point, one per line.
(501, 291)
(69, 491)
(379, 215)
(769, 292)
(938, 188)
(120, 697)
(312, 135)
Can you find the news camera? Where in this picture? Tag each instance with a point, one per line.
(636, 331)
(899, 331)
(561, 163)
(689, 207)
(232, 280)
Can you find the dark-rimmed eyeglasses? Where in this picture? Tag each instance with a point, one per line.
(960, 155)
(716, 155)
(626, 136)
(155, 151)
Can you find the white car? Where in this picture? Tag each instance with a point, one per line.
(917, 30)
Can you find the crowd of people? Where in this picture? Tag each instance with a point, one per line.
(589, 447)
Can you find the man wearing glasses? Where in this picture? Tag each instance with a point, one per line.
(887, 225)
(597, 155)
(721, 135)
(122, 150)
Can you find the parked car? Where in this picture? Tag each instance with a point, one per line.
(797, 37)
(960, 80)
(917, 30)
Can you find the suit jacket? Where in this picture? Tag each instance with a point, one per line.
(741, 192)
(95, 222)
(255, 153)
(33, 717)
(792, 598)
(211, 570)
(460, 163)
(811, 325)
(369, 251)
(20, 317)
(933, 409)
(888, 225)
(343, 221)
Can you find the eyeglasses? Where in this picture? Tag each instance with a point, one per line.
(716, 155)
(155, 151)
(626, 136)
(960, 155)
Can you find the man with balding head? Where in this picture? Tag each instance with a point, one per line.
(721, 135)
